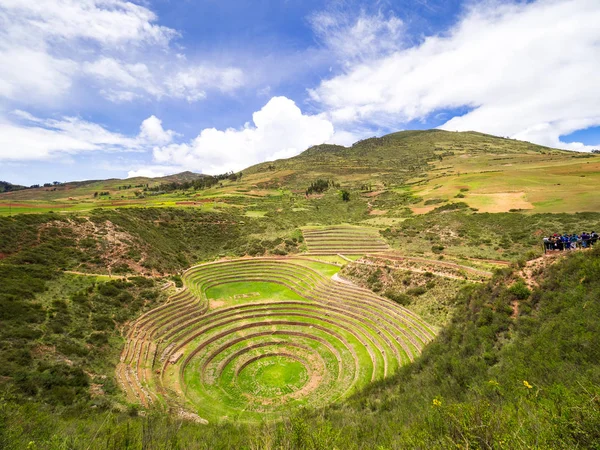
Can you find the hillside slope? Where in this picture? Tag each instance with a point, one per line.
(416, 169)
(496, 377)
(489, 173)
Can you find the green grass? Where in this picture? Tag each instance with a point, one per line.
(253, 213)
(233, 293)
(272, 376)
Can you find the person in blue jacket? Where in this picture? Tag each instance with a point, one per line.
(574, 239)
(585, 240)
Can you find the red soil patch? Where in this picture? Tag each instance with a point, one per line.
(37, 205)
(205, 200)
(422, 209)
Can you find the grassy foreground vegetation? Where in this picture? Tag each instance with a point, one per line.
(490, 380)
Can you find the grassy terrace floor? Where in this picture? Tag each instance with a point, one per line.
(253, 339)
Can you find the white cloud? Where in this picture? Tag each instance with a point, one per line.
(47, 47)
(151, 131)
(31, 138)
(153, 171)
(187, 82)
(43, 139)
(280, 129)
(117, 96)
(125, 75)
(108, 22)
(191, 83)
(30, 74)
(526, 70)
(359, 38)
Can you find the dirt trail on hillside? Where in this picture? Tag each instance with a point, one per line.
(87, 274)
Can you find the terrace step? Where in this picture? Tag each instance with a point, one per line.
(343, 336)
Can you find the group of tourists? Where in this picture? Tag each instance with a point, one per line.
(570, 241)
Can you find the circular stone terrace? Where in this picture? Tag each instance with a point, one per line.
(253, 339)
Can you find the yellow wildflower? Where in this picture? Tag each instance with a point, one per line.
(527, 385)
(437, 402)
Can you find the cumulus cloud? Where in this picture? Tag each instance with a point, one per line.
(31, 138)
(279, 130)
(46, 47)
(526, 70)
(151, 131)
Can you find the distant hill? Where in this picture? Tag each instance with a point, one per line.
(79, 189)
(492, 174)
(427, 168)
(181, 177)
(398, 156)
(5, 186)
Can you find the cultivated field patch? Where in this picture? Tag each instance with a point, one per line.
(343, 239)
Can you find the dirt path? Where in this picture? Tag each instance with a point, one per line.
(344, 257)
(434, 262)
(87, 274)
(415, 270)
(337, 277)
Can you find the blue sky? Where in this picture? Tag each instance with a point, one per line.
(93, 89)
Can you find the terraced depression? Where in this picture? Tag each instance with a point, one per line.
(343, 239)
(253, 339)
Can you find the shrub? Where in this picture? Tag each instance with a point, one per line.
(108, 290)
(434, 201)
(519, 290)
(417, 291)
(98, 338)
(398, 297)
(177, 280)
(150, 294)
